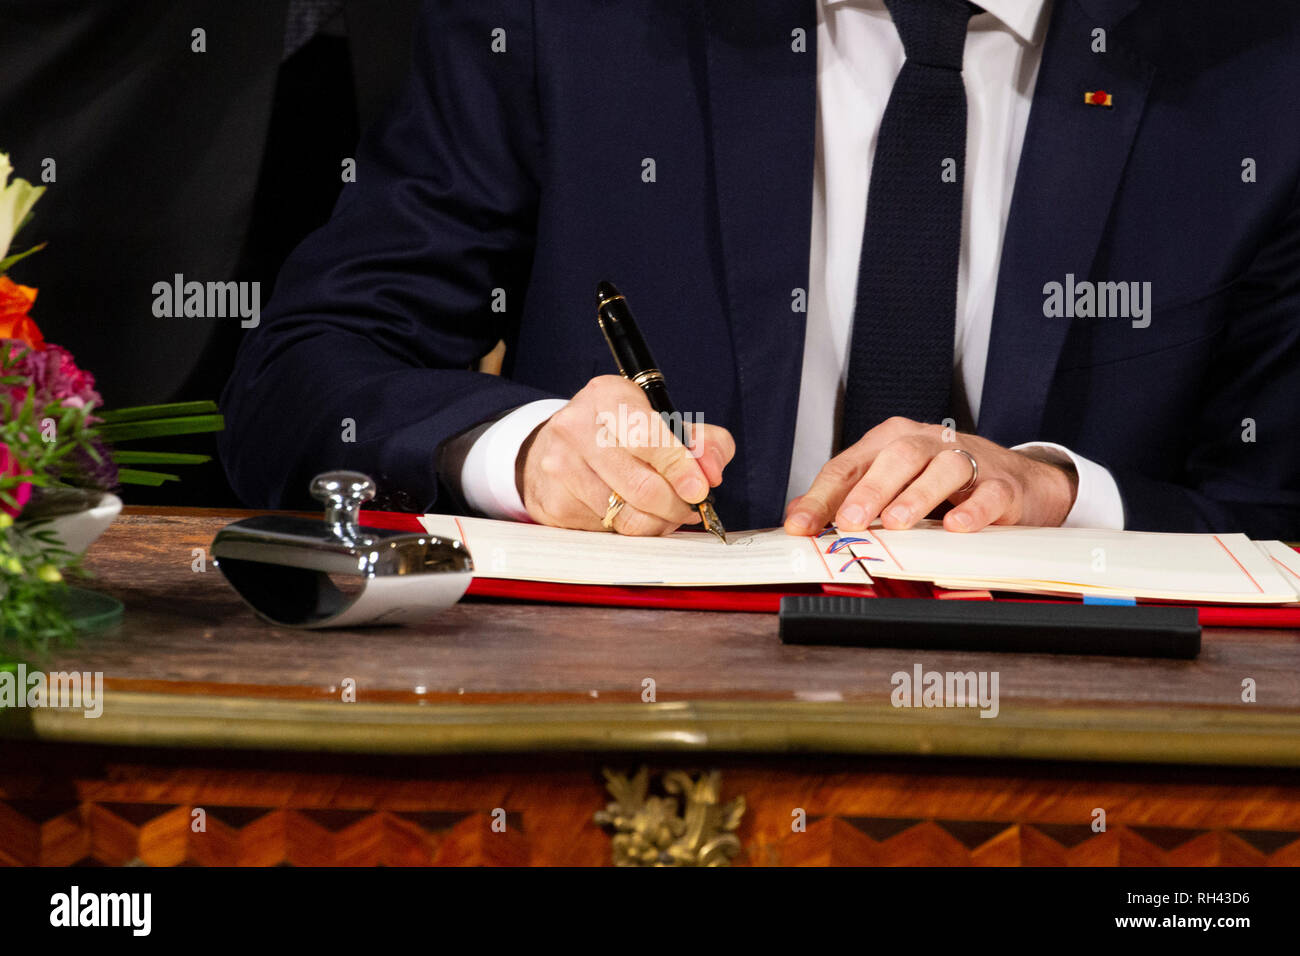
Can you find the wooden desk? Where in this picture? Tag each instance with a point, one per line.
(501, 712)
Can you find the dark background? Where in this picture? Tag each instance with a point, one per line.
(213, 165)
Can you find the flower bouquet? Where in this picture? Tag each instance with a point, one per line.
(59, 460)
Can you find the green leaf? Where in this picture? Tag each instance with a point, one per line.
(132, 476)
(158, 458)
(170, 410)
(19, 257)
(184, 425)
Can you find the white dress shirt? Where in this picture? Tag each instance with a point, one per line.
(859, 54)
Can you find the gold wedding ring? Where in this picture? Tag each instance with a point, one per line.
(615, 506)
(974, 471)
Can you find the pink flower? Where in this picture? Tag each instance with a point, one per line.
(9, 467)
(54, 377)
(71, 382)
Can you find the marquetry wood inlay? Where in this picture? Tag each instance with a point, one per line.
(271, 812)
(91, 834)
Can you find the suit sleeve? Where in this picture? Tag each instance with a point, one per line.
(1243, 463)
(363, 358)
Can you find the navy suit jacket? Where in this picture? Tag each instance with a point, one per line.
(523, 171)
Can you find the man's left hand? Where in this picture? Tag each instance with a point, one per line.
(902, 470)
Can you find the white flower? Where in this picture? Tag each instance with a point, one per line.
(16, 200)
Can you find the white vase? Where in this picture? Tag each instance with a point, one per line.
(79, 530)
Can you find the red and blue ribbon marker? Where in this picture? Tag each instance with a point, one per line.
(845, 542)
(850, 561)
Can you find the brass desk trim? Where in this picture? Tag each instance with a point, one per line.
(1219, 735)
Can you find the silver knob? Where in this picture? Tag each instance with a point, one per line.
(343, 493)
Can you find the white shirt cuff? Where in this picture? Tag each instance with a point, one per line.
(487, 479)
(1097, 503)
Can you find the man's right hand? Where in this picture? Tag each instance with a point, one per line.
(570, 464)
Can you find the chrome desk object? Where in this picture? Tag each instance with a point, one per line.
(298, 572)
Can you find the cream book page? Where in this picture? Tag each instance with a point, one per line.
(531, 552)
(1226, 568)
(1285, 557)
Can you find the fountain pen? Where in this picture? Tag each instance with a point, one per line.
(636, 363)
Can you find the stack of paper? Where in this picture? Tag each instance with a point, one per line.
(1188, 568)
(530, 552)
(1193, 568)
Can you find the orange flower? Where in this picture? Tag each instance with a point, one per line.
(15, 302)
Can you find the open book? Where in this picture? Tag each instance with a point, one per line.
(1071, 562)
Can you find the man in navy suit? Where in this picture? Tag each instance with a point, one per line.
(1039, 261)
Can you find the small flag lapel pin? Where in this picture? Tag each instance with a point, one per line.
(1099, 98)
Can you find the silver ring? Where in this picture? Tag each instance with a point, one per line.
(615, 506)
(974, 471)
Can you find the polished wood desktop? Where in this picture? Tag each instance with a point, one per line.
(485, 735)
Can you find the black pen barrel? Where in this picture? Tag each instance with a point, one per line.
(661, 403)
(633, 356)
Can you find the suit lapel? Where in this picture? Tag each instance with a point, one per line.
(1070, 166)
(762, 103)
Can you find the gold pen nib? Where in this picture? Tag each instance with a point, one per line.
(711, 522)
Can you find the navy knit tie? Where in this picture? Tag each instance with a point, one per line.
(900, 357)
